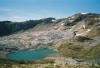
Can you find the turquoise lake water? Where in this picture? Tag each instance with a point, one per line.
(30, 54)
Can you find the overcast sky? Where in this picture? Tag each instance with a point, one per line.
(20, 10)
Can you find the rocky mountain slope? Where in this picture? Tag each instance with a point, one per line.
(77, 36)
(8, 27)
(42, 32)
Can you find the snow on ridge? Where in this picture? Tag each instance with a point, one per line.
(84, 13)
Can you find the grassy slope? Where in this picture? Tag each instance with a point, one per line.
(80, 50)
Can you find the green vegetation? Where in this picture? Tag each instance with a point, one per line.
(79, 50)
(94, 32)
(40, 64)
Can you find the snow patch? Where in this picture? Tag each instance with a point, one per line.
(83, 13)
(53, 20)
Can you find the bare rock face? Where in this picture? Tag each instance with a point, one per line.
(33, 40)
(43, 33)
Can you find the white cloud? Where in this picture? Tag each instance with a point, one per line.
(20, 15)
(13, 18)
(17, 18)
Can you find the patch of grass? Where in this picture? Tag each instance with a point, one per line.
(94, 32)
(79, 50)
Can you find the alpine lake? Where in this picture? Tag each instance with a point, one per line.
(29, 55)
